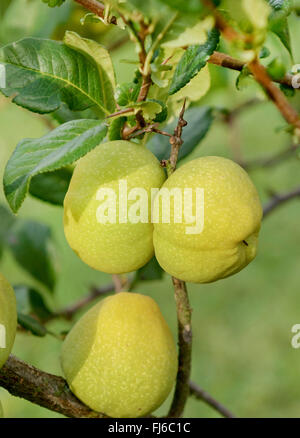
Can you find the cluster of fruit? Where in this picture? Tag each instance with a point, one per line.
(232, 215)
(120, 357)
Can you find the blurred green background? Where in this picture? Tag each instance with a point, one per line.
(242, 351)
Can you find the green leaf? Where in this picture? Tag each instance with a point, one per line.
(287, 90)
(281, 29)
(199, 121)
(151, 271)
(276, 69)
(163, 115)
(32, 325)
(193, 60)
(42, 74)
(55, 150)
(150, 107)
(127, 93)
(104, 64)
(53, 3)
(281, 5)
(257, 11)
(51, 186)
(30, 242)
(264, 53)
(243, 79)
(193, 91)
(64, 114)
(251, 16)
(278, 23)
(31, 301)
(188, 31)
(6, 222)
(115, 129)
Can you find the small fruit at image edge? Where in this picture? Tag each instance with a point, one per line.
(120, 357)
(114, 248)
(8, 319)
(232, 220)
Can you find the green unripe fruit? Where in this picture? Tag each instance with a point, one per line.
(111, 247)
(120, 357)
(1, 411)
(232, 219)
(8, 319)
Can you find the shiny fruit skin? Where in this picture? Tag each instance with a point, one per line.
(232, 219)
(8, 317)
(120, 358)
(114, 248)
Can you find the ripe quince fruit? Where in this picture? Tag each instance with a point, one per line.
(120, 357)
(120, 245)
(8, 319)
(231, 214)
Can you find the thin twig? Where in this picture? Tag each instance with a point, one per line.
(118, 283)
(272, 160)
(233, 114)
(184, 316)
(278, 199)
(114, 45)
(46, 390)
(202, 395)
(150, 128)
(120, 113)
(97, 8)
(221, 24)
(231, 119)
(140, 38)
(223, 60)
(176, 140)
(68, 312)
(261, 75)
